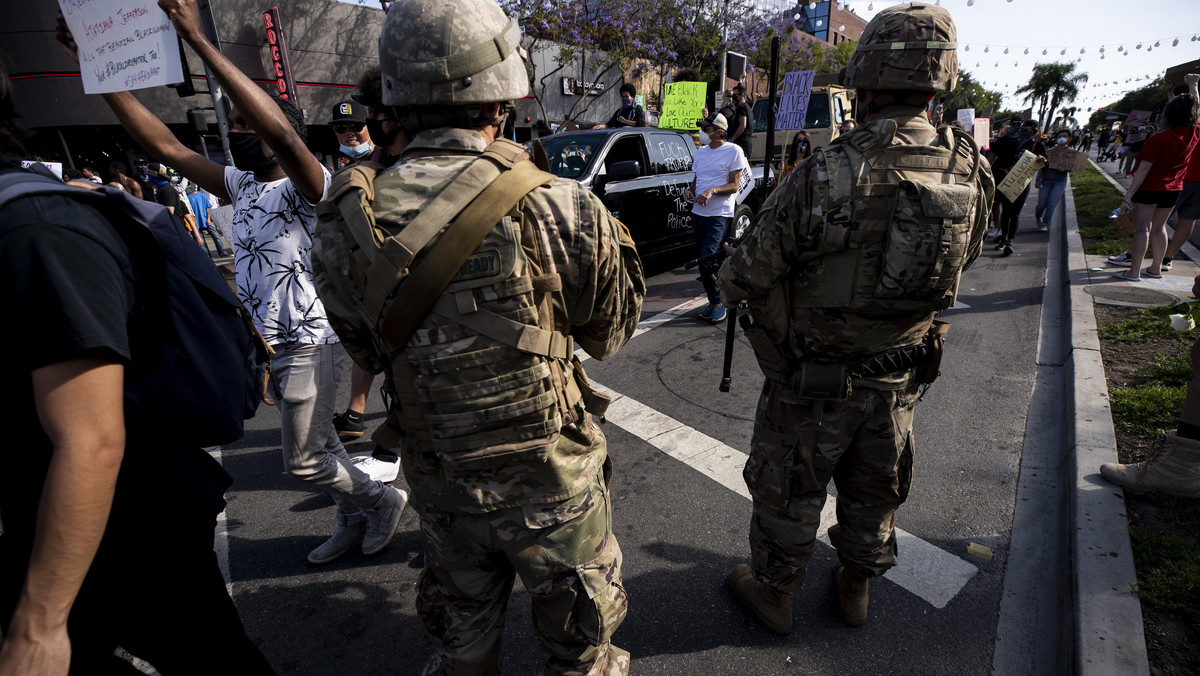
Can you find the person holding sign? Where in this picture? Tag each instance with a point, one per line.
(1158, 182)
(1051, 184)
(718, 167)
(275, 188)
(1007, 151)
(630, 114)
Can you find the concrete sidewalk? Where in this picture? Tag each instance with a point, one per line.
(1109, 636)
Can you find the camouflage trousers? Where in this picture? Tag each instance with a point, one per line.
(865, 444)
(569, 562)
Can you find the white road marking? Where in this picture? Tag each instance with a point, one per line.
(928, 572)
(221, 541)
(657, 320)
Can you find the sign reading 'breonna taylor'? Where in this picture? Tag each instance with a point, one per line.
(123, 44)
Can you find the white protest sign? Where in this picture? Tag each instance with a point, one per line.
(967, 117)
(123, 44)
(793, 103)
(55, 167)
(222, 218)
(982, 132)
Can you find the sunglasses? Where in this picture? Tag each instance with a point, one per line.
(344, 127)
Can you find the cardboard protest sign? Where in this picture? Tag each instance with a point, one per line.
(1138, 116)
(967, 117)
(222, 218)
(1020, 175)
(682, 105)
(1135, 137)
(982, 132)
(793, 103)
(123, 44)
(1066, 160)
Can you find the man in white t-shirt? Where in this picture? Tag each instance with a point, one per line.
(275, 190)
(718, 167)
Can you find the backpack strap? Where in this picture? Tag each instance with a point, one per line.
(396, 254)
(428, 280)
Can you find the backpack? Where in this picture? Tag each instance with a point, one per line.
(199, 367)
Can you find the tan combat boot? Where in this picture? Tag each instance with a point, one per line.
(852, 596)
(772, 608)
(1174, 470)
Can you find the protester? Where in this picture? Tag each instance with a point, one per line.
(939, 112)
(1051, 184)
(1022, 137)
(829, 331)
(798, 151)
(349, 123)
(275, 189)
(1134, 145)
(204, 223)
(507, 465)
(1158, 184)
(740, 117)
(108, 520)
(718, 169)
(630, 114)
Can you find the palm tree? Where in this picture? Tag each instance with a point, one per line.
(1050, 85)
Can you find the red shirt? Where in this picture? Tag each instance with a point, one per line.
(1168, 151)
(1193, 170)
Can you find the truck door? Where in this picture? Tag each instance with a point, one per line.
(629, 189)
(671, 161)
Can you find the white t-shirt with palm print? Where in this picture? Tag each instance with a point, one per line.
(273, 227)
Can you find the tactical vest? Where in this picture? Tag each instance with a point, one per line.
(896, 235)
(484, 376)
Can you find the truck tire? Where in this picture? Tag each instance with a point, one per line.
(743, 218)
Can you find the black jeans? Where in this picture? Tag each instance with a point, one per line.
(1010, 214)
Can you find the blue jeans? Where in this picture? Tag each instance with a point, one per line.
(306, 378)
(709, 231)
(216, 238)
(1049, 195)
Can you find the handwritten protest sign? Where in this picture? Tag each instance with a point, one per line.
(123, 44)
(967, 117)
(793, 104)
(1065, 159)
(1138, 116)
(1020, 175)
(682, 105)
(1135, 137)
(982, 131)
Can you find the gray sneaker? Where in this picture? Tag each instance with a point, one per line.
(350, 531)
(383, 519)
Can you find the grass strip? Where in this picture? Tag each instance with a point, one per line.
(1095, 199)
(1146, 323)
(1147, 410)
(1168, 572)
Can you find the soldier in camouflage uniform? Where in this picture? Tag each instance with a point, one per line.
(844, 271)
(492, 413)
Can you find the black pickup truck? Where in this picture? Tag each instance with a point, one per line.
(641, 174)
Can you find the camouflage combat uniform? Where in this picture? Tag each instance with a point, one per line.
(864, 443)
(493, 504)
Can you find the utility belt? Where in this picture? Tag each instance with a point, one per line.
(832, 380)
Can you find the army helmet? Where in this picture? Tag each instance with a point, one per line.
(912, 47)
(433, 52)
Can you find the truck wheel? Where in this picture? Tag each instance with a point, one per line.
(743, 217)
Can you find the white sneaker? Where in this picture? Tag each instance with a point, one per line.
(1121, 259)
(993, 232)
(379, 470)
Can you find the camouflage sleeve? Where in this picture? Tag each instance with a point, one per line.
(784, 234)
(983, 214)
(603, 283)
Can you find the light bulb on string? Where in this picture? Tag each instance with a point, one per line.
(1139, 45)
(812, 5)
(1156, 43)
(986, 49)
(870, 6)
(967, 48)
(1063, 53)
(1006, 50)
(970, 3)
(1149, 49)
(1082, 50)
(1026, 50)
(1101, 50)
(1045, 52)
(1175, 42)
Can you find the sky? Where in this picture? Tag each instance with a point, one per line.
(986, 28)
(1073, 25)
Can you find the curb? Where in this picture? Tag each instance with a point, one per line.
(1109, 636)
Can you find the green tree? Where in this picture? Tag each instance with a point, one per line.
(1151, 97)
(969, 94)
(1050, 85)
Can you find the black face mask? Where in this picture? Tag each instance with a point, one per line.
(378, 135)
(248, 154)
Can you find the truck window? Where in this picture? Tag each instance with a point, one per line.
(669, 153)
(570, 154)
(625, 149)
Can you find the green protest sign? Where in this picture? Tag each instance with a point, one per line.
(682, 105)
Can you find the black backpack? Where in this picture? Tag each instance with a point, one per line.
(199, 366)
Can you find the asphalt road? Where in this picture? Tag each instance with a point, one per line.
(682, 521)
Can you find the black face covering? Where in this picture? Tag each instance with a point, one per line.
(378, 135)
(248, 154)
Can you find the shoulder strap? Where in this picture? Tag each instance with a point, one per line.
(397, 252)
(429, 279)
